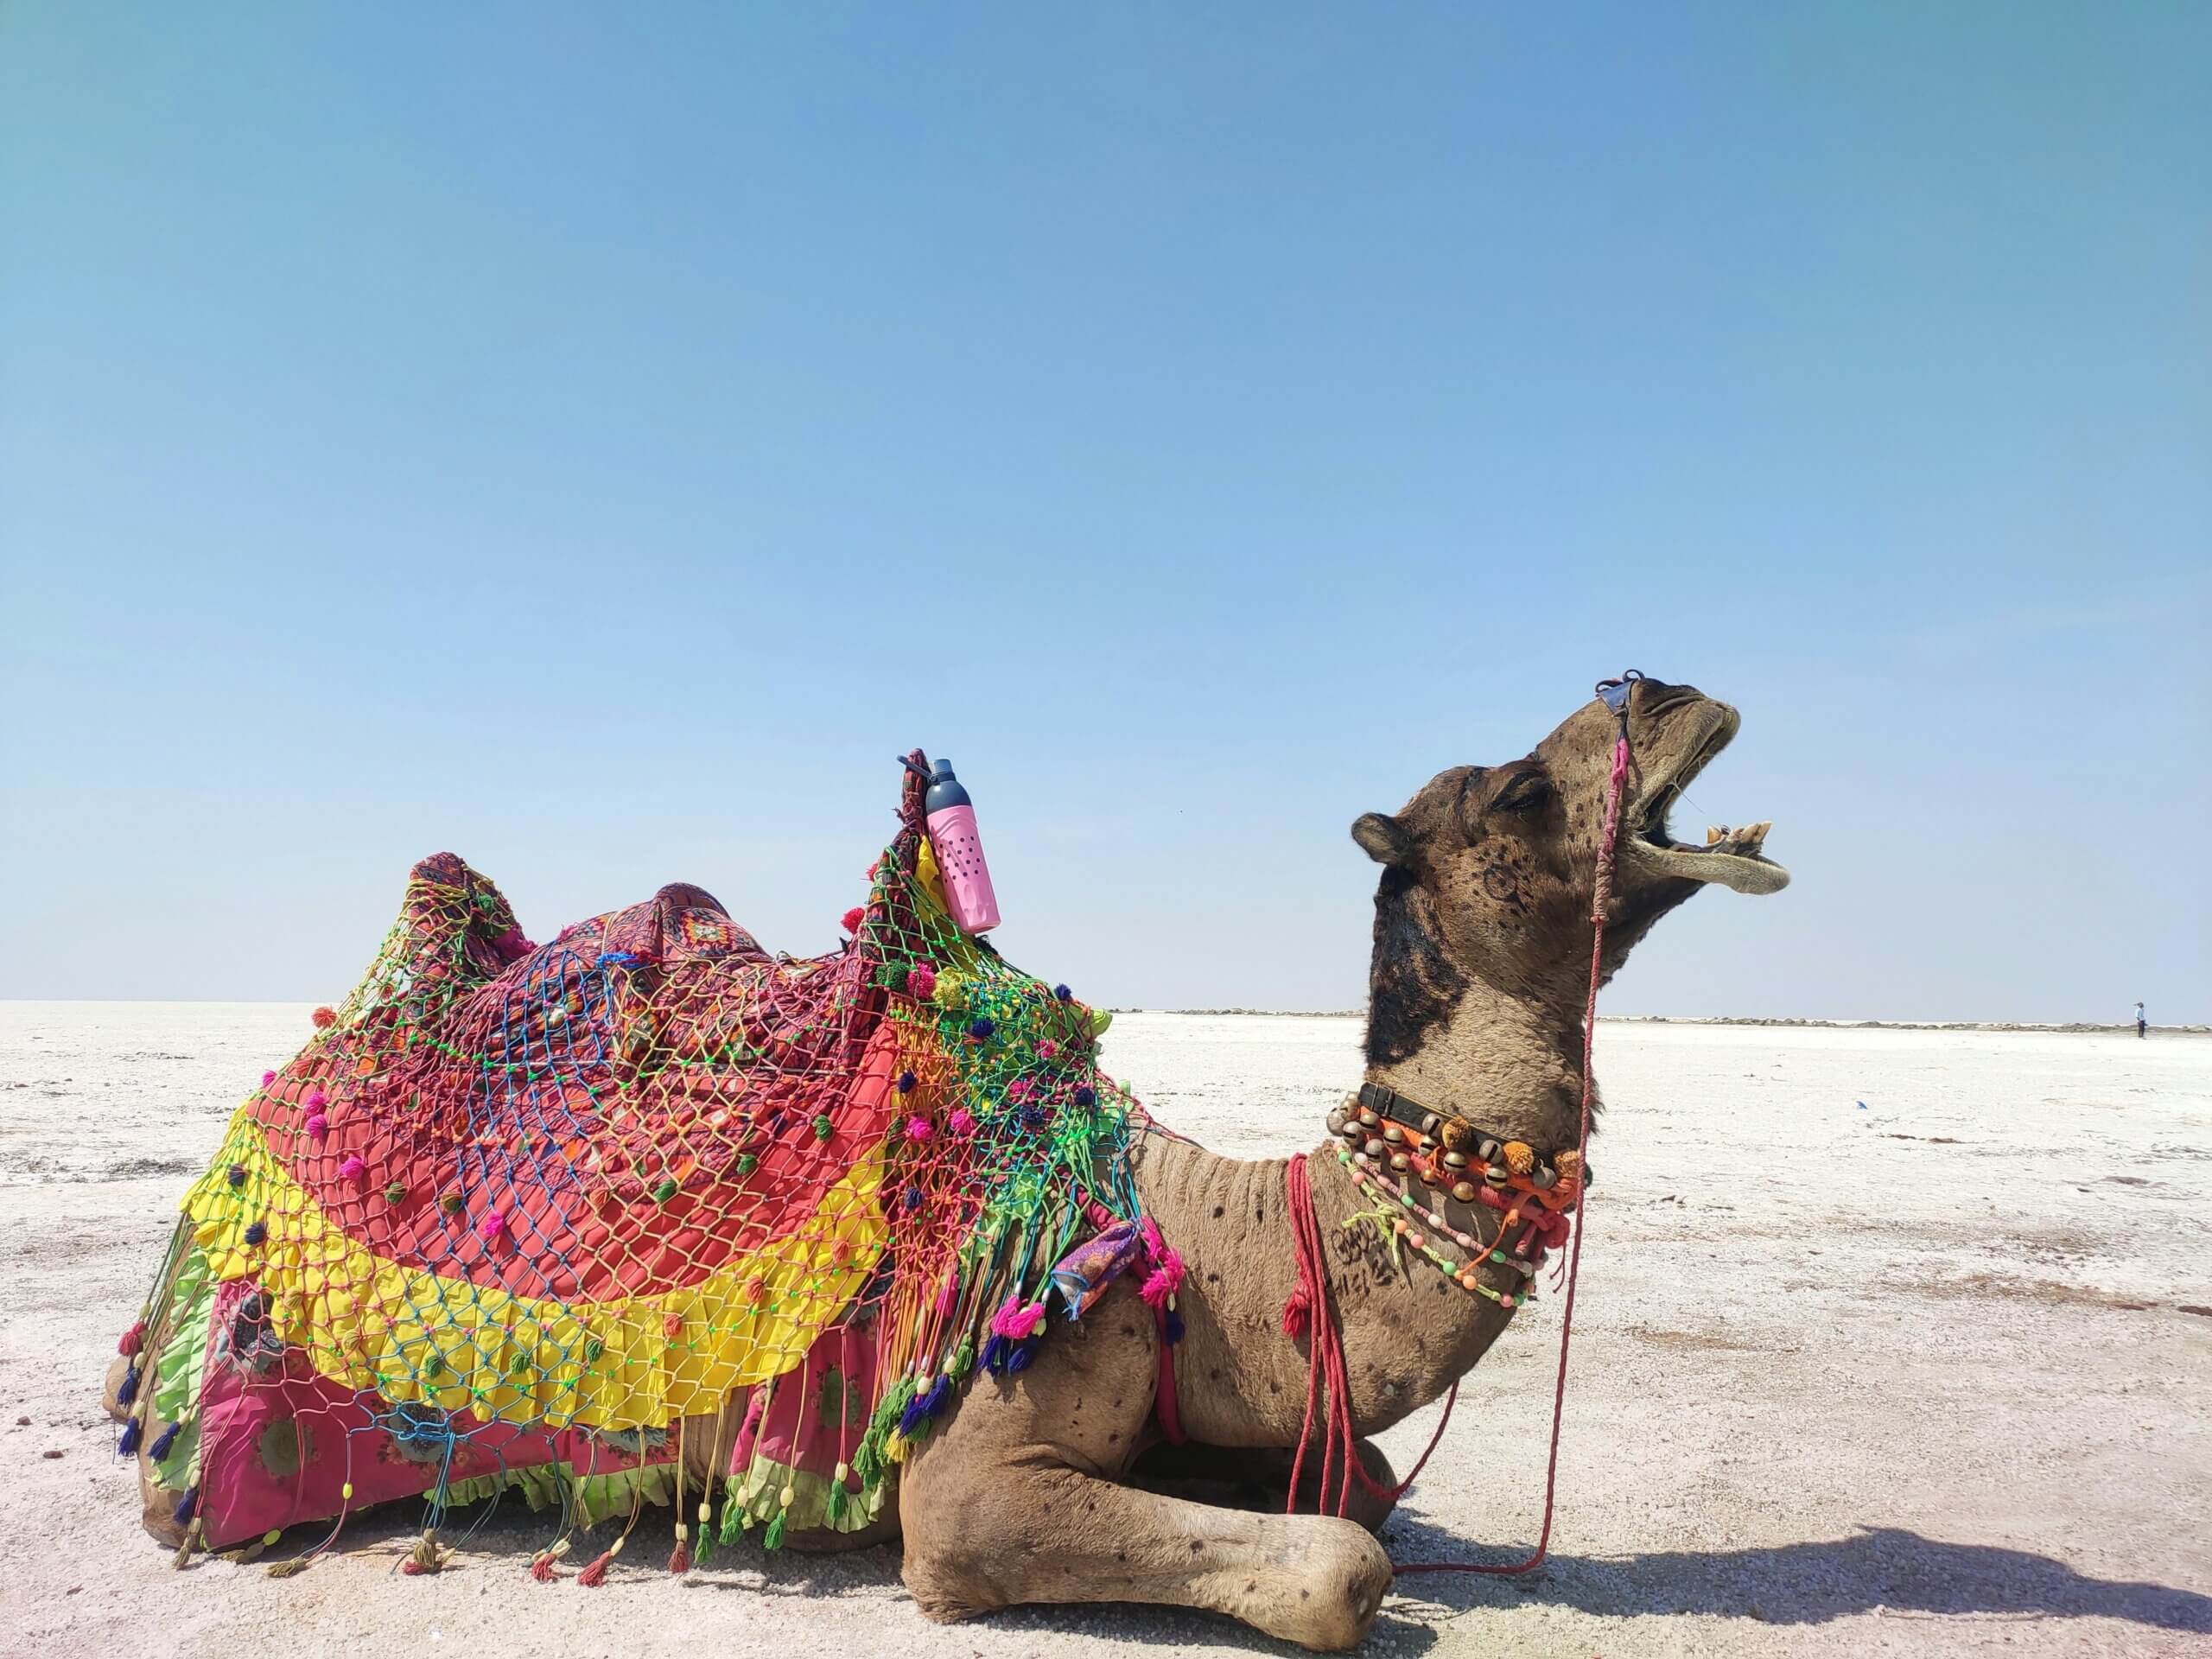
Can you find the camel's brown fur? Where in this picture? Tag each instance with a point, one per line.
(1032, 1491)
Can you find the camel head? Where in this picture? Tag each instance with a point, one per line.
(1489, 871)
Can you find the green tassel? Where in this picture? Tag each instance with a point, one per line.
(963, 1360)
(773, 1538)
(733, 1519)
(837, 1499)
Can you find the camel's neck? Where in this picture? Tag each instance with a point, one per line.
(1512, 1067)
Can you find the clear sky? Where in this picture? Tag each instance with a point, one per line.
(596, 440)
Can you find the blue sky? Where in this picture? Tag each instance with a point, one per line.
(597, 442)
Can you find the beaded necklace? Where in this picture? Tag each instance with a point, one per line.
(1446, 1154)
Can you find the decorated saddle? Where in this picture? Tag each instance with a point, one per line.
(646, 1203)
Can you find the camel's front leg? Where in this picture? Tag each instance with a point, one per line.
(980, 1537)
(1015, 1500)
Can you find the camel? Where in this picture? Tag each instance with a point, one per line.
(1056, 1483)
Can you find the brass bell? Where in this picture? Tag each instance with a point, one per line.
(1368, 1117)
(1375, 1148)
(1543, 1177)
(1393, 1134)
(1497, 1175)
(1488, 1150)
(1429, 1122)
(1463, 1191)
(1399, 1160)
(1455, 1160)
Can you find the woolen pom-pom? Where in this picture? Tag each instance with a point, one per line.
(325, 1017)
(352, 1168)
(921, 983)
(853, 919)
(907, 1081)
(962, 1121)
(268, 1078)
(920, 1129)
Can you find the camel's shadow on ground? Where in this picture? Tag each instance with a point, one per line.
(1900, 1572)
(1888, 1567)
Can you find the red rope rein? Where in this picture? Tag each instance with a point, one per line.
(1308, 1309)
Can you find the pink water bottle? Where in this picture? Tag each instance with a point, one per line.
(959, 851)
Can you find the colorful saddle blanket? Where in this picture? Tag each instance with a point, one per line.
(530, 1215)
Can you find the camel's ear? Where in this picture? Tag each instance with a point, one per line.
(1382, 838)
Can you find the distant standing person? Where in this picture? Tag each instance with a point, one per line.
(2142, 1029)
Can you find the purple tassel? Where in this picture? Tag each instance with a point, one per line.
(914, 1421)
(1023, 1353)
(129, 1442)
(127, 1390)
(164, 1444)
(994, 1354)
(182, 1513)
(1173, 1327)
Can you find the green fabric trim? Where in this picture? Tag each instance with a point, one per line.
(180, 1371)
(759, 1495)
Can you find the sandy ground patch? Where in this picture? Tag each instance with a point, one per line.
(1889, 1341)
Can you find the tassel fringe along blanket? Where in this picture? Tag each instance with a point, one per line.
(581, 1220)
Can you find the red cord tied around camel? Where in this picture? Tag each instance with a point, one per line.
(1308, 1313)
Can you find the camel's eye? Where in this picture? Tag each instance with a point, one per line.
(1525, 795)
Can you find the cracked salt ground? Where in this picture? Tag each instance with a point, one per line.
(1846, 1394)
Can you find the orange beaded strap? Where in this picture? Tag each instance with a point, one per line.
(1447, 1155)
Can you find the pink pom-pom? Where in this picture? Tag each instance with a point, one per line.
(962, 1121)
(1017, 1322)
(317, 1100)
(268, 1078)
(353, 1168)
(318, 1127)
(921, 983)
(325, 1017)
(920, 1129)
(1021, 1089)
(1048, 1050)
(492, 1227)
(853, 919)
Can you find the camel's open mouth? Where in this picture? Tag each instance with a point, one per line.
(1734, 858)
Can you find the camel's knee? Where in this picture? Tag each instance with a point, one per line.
(956, 1528)
(1340, 1588)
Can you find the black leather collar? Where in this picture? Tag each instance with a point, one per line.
(1403, 1109)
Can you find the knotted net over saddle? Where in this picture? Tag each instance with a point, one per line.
(527, 1216)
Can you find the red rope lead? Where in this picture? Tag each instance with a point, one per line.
(1327, 1365)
